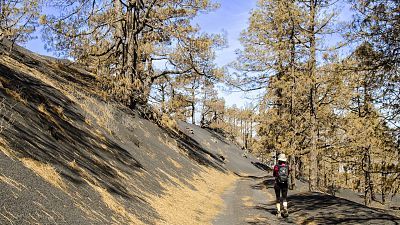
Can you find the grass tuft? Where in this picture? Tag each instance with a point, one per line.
(16, 95)
(168, 122)
(46, 171)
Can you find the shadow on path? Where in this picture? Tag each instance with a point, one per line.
(319, 208)
(325, 209)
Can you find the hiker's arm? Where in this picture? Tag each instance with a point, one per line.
(275, 173)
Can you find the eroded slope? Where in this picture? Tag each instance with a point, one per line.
(68, 157)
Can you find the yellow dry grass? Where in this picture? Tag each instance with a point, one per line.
(11, 218)
(17, 66)
(3, 148)
(168, 122)
(247, 201)
(181, 205)
(170, 143)
(3, 80)
(115, 205)
(60, 112)
(175, 163)
(47, 172)
(13, 183)
(101, 112)
(43, 110)
(109, 200)
(16, 95)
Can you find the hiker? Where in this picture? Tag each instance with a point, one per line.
(281, 174)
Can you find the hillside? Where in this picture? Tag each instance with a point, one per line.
(69, 157)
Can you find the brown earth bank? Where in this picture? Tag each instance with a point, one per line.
(67, 156)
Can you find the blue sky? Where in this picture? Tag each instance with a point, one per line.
(231, 18)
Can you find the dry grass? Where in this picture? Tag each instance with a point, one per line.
(47, 114)
(42, 109)
(4, 148)
(115, 205)
(7, 117)
(13, 183)
(46, 171)
(181, 205)
(16, 95)
(109, 200)
(60, 112)
(101, 112)
(8, 215)
(168, 122)
(3, 80)
(17, 66)
(247, 201)
(175, 163)
(170, 143)
(88, 121)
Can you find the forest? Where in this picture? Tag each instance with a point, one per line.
(329, 92)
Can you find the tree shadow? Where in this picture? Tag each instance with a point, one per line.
(52, 129)
(325, 209)
(261, 166)
(195, 151)
(269, 182)
(43, 132)
(218, 134)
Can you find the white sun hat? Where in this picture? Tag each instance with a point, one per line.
(282, 157)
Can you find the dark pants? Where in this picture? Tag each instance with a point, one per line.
(281, 188)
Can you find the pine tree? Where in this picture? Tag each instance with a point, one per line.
(269, 61)
(127, 38)
(18, 19)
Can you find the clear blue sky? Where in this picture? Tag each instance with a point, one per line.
(232, 18)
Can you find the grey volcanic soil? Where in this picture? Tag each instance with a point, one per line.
(252, 201)
(52, 128)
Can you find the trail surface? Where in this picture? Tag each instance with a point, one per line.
(252, 201)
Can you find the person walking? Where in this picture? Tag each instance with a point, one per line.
(281, 174)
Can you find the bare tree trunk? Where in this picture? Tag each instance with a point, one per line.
(292, 164)
(163, 98)
(292, 105)
(193, 102)
(368, 185)
(320, 171)
(383, 187)
(313, 111)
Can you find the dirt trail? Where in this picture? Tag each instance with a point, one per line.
(252, 201)
(249, 202)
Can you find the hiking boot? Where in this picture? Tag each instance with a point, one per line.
(278, 214)
(285, 213)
